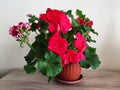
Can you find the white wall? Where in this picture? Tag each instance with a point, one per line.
(104, 13)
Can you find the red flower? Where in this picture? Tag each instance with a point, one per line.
(72, 56)
(38, 25)
(57, 20)
(57, 44)
(80, 43)
(24, 26)
(81, 56)
(81, 21)
(14, 31)
(90, 23)
(64, 23)
(64, 59)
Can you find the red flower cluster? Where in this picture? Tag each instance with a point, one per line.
(15, 29)
(80, 42)
(57, 44)
(75, 56)
(59, 23)
(83, 22)
(57, 20)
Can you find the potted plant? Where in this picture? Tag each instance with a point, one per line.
(61, 41)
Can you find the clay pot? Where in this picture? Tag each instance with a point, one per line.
(70, 72)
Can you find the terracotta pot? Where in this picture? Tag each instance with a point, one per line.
(70, 72)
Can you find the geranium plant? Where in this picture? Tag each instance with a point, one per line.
(60, 39)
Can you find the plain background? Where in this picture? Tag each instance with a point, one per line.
(104, 13)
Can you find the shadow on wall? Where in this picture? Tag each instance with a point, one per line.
(110, 50)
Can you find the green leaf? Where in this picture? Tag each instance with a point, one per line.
(74, 23)
(87, 19)
(29, 58)
(94, 62)
(51, 66)
(92, 59)
(89, 39)
(40, 45)
(92, 30)
(84, 64)
(42, 66)
(33, 26)
(43, 25)
(32, 19)
(90, 50)
(30, 69)
(80, 14)
(50, 78)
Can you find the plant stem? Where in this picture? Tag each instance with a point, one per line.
(31, 47)
(24, 40)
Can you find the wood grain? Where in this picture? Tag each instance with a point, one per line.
(93, 80)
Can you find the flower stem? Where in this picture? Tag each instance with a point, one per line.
(31, 47)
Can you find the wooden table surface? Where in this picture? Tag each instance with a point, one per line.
(93, 80)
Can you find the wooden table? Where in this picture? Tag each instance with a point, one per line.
(93, 80)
